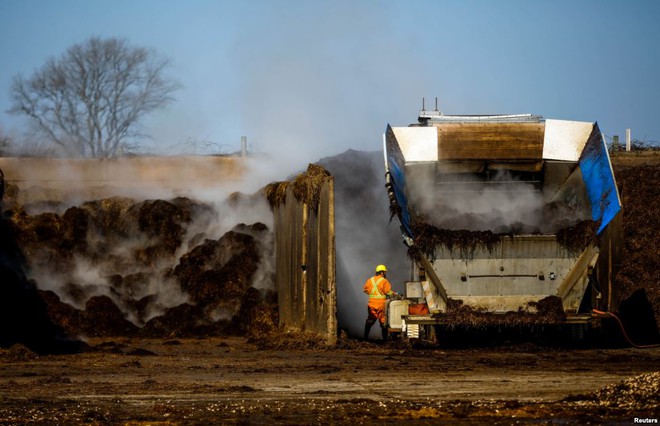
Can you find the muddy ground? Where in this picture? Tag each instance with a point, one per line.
(230, 381)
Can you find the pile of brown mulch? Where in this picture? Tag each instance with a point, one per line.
(109, 264)
(465, 243)
(639, 188)
(576, 237)
(640, 393)
(219, 270)
(306, 187)
(17, 353)
(428, 238)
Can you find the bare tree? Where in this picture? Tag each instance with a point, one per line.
(5, 142)
(90, 100)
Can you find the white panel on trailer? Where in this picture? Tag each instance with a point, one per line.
(417, 143)
(565, 140)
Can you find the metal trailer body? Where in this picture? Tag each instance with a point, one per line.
(444, 162)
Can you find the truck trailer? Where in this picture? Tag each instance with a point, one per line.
(504, 216)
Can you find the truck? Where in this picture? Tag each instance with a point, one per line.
(510, 218)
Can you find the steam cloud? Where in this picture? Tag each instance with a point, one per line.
(516, 207)
(364, 236)
(113, 257)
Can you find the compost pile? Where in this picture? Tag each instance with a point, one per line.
(306, 187)
(640, 393)
(153, 268)
(428, 238)
(638, 277)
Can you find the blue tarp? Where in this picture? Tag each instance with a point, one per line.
(395, 164)
(599, 180)
(398, 179)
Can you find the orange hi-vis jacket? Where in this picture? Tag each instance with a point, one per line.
(378, 288)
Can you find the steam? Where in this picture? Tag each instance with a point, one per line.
(507, 206)
(109, 266)
(516, 207)
(303, 94)
(364, 236)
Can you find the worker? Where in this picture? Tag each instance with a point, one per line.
(378, 289)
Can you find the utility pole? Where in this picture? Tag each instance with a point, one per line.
(243, 146)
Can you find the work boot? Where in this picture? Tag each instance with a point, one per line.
(367, 328)
(384, 331)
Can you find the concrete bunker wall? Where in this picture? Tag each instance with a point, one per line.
(305, 255)
(85, 179)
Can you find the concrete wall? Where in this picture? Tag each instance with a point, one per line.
(59, 179)
(305, 263)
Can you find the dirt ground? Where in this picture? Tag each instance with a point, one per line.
(229, 380)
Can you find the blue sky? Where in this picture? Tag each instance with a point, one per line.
(314, 78)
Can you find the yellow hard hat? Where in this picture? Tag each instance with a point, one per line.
(381, 268)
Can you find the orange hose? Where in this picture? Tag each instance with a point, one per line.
(623, 330)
